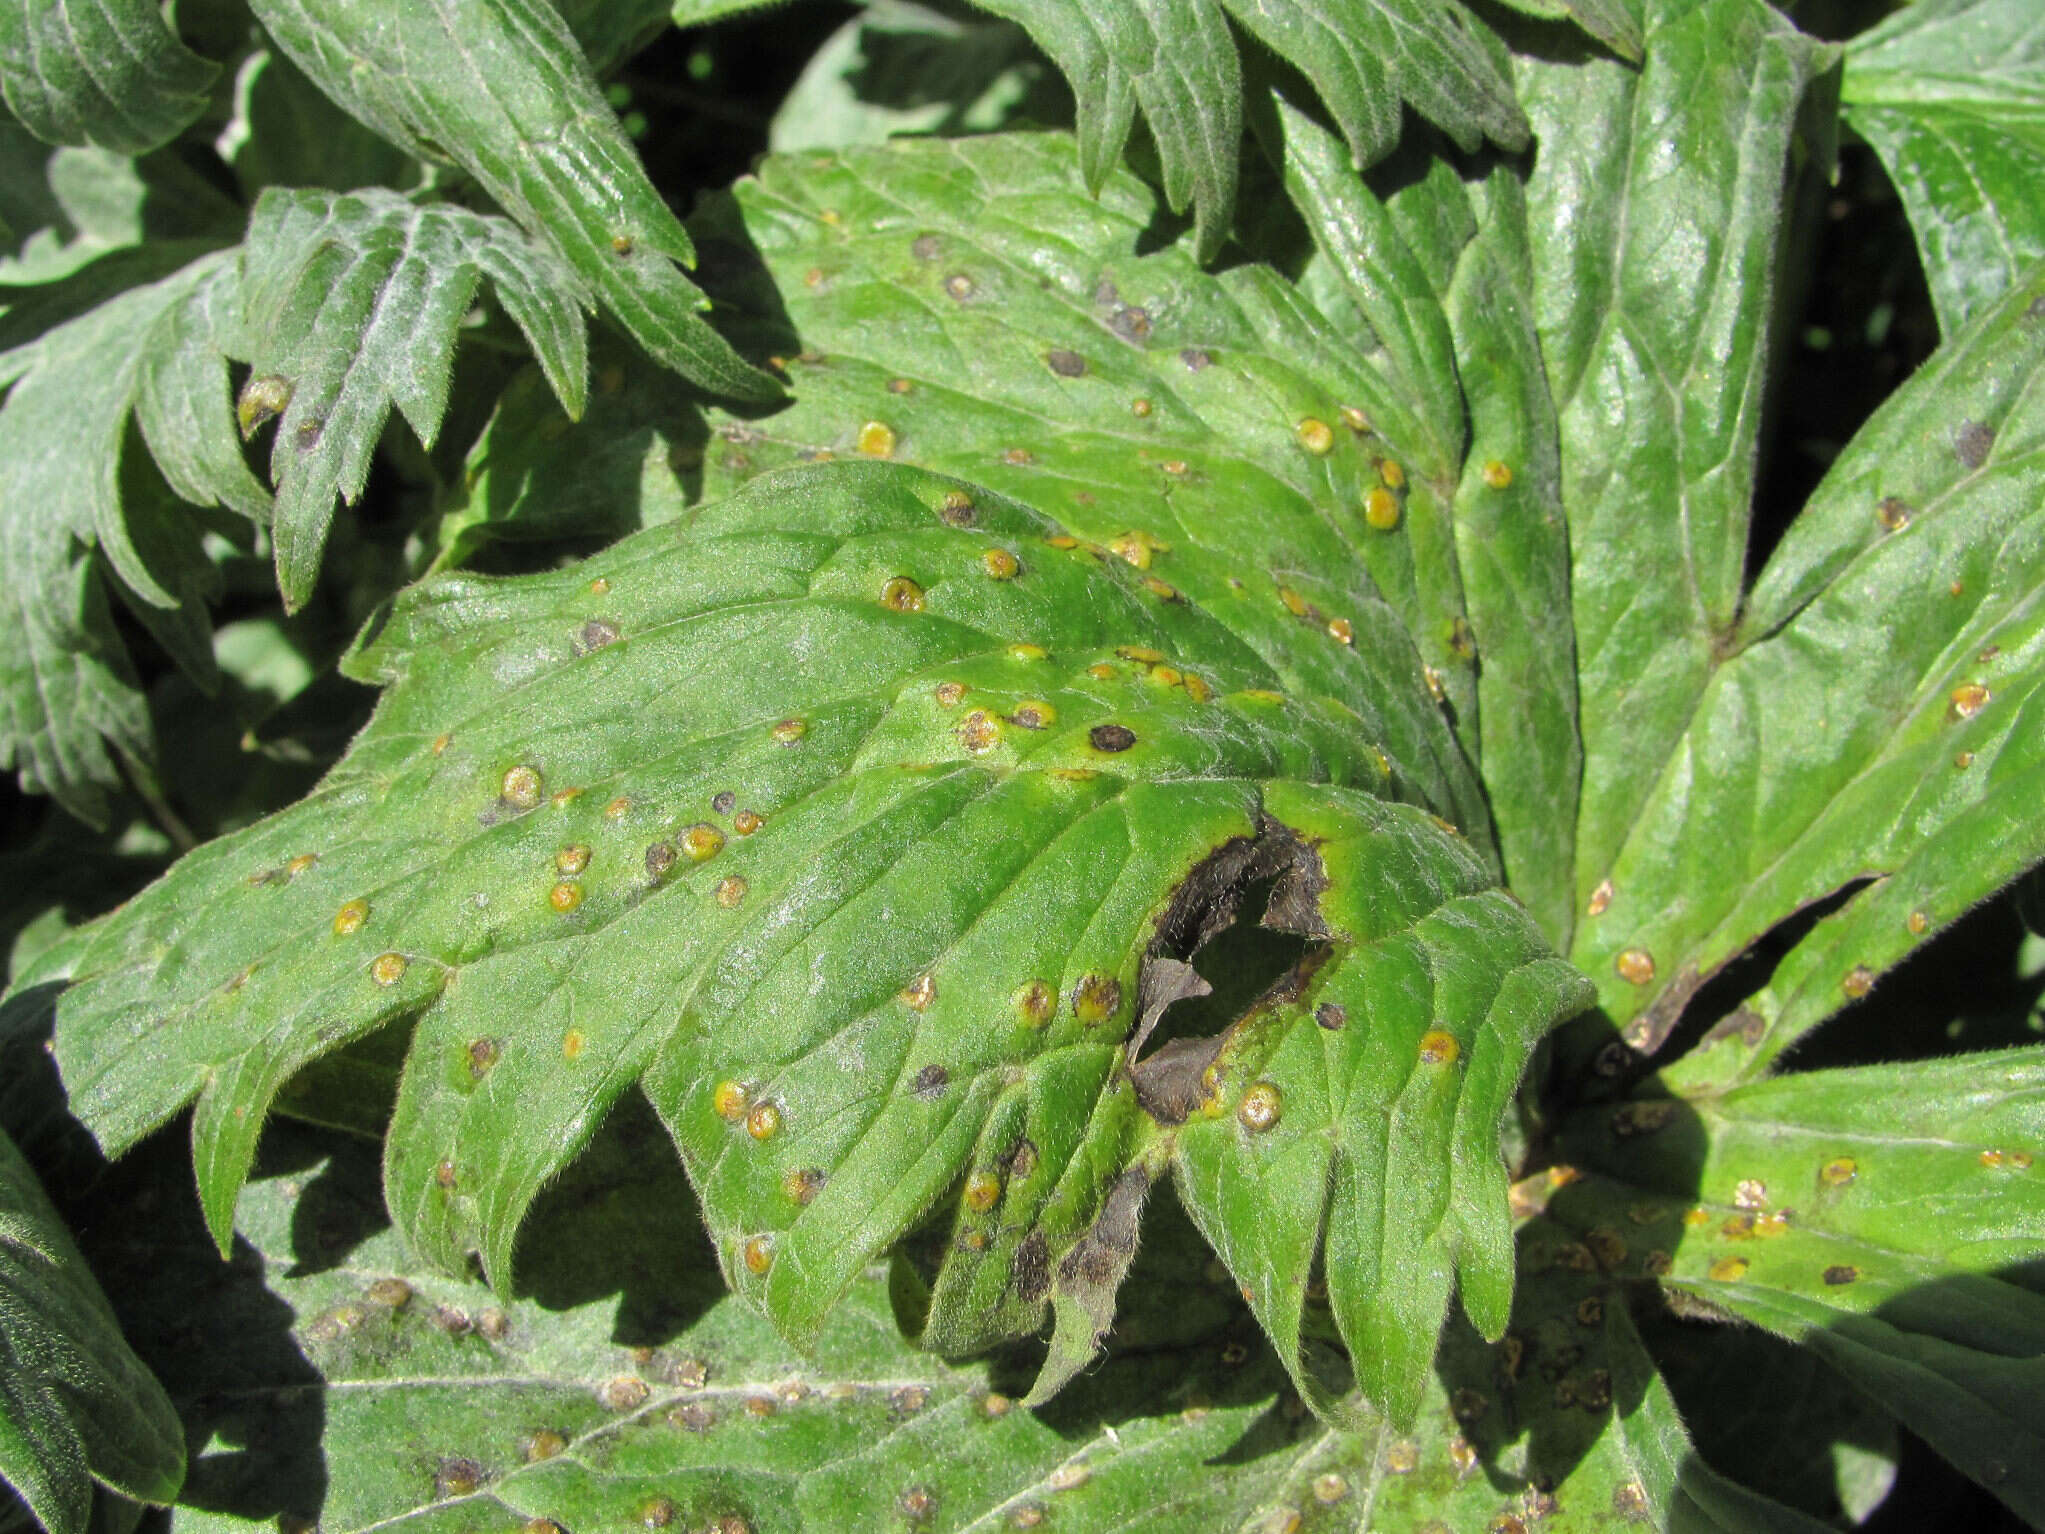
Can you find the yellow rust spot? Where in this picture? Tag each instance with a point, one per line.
(1140, 654)
(1858, 982)
(300, 864)
(1635, 966)
(618, 808)
(983, 1191)
(1727, 1270)
(1438, 1048)
(561, 798)
(1020, 457)
(1601, 898)
(1893, 513)
(763, 1122)
(571, 860)
(920, 993)
(1062, 541)
(956, 508)
(1294, 603)
(758, 1255)
(902, 595)
(388, 968)
(1262, 1107)
(1381, 509)
(1027, 652)
(1164, 591)
(1839, 1171)
(1034, 1003)
(950, 694)
(979, 732)
(729, 1100)
(1178, 468)
(745, 822)
(1138, 548)
(1096, 999)
(1167, 676)
(802, 1184)
(1436, 687)
(1000, 565)
(701, 842)
(1069, 1476)
(1696, 1217)
(1139, 407)
(1330, 1487)
(351, 917)
(1390, 472)
(1034, 714)
(876, 440)
(1969, 699)
(1497, 474)
(900, 386)
(441, 743)
(1402, 1456)
(544, 1444)
(1964, 760)
(1919, 923)
(1768, 1226)
(1316, 436)
(521, 787)
(1343, 630)
(572, 1042)
(565, 896)
(2015, 1161)
(731, 891)
(789, 731)
(1101, 671)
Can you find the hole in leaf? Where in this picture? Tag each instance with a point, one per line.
(1240, 933)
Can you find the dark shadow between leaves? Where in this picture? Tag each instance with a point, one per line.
(622, 1220)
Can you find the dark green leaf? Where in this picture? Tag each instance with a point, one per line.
(1615, 23)
(351, 304)
(151, 352)
(104, 72)
(1658, 194)
(501, 88)
(1888, 1217)
(1876, 724)
(76, 1406)
(1951, 93)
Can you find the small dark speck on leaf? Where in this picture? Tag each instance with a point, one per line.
(594, 635)
(931, 1081)
(1194, 358)
(1066, 364)
(927, 248)
(1973, 443)
(724, 802)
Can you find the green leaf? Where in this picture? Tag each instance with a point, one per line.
(1951, 94)
(856, 818)
(501, 88)
(152, 353)
(1176, 59)
(285, 133)
(1659, 195)
(109, 73)
(1883, 1216)
(351, 304)
(1215, 429)
(76, 1406)
(1875, 720)
(1615, 23)
(537, 473)
(902, 67)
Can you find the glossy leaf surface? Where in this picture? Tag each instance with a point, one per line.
(109, 73)
(1951, 93)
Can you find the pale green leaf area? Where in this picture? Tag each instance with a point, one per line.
(352, 304)
(1888, 1217)
(77, 1408)
(1878, 721)
(585, 848)
(86, 511)
(902, 68)
(109, 73)
(968, 306)
(1951, 94)
(501, 88)
(1657, 193)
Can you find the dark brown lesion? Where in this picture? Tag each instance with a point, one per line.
(1170, 1082)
